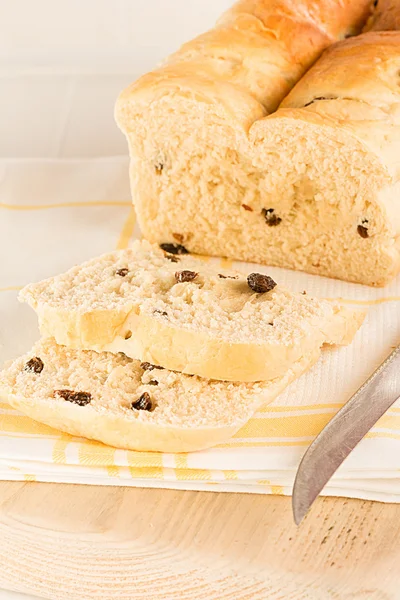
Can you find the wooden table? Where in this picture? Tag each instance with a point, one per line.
(76, 542)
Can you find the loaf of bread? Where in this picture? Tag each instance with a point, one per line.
(127, 404)
(182, 313)
(312, 186)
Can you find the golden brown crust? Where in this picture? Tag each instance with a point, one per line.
(285, 34)
(244, 58)
(364, 69)
(301, 26)
(385, 16)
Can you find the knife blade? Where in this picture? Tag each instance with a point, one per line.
(343, 432)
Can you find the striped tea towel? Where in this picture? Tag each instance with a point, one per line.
(55, 214)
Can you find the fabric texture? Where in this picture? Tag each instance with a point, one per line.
(55, 214)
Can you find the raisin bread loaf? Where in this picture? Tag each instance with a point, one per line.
(121, 402)
(184, 314)
(197, 170)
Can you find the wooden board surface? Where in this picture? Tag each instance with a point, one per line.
(79, 542)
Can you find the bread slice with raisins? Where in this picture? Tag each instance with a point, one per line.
(127, 404)
(185, 314)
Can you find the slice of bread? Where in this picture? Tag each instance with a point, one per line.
(186, 315)
(106, 396)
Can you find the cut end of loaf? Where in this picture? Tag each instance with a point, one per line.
(298, 193)
(336, 200)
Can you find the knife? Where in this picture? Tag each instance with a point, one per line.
(340, 436)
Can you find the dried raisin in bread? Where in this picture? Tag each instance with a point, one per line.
(123, 403)
(335, 185)
(187, 315)
(197, 173)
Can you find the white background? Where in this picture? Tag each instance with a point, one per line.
(63, 62)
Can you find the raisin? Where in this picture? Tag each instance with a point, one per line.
(128, 335)
(122, 272)
(270, 217)
(228, 276)
(174, 248)
(178, 236)
(34, 365)
(260, 283)
(163, 313)
(273, 221)
(80, 398)
(159, 167)
(153, 382)
(172, 258)
(142, 403)
(146, 366)
(185, 276)
(247, 207)
(362, 231)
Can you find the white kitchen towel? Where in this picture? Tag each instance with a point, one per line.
(54, 214)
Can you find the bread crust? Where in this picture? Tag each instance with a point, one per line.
(362, 69)
(385, 16)
(114, 431)
(283, 38)
(191, 351)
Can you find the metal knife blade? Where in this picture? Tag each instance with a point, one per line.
(340, 436)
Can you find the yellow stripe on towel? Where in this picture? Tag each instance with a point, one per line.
(147, 473)
(11, 288)
(16, 423)
(193, 474)
(60, 446)
(273, 409)
(181, 460)
(127, 230)
(226, 263)
(95, 454)
(113, 471)
(285, 427)
(65, 205)
(373, 302)
(144, 459)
